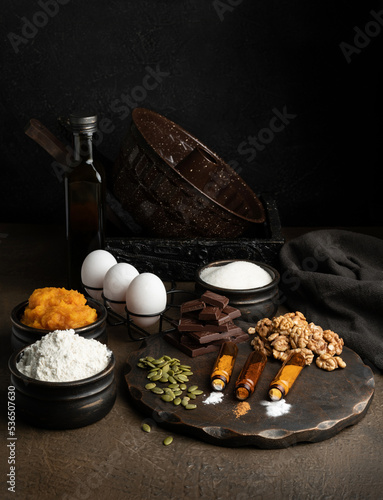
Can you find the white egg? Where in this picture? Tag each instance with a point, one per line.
(93, 270)
(116, 283)
(146, 295)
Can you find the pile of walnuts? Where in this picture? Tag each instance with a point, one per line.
(281, 335)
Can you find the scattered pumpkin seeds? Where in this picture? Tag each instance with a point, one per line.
(170, 371)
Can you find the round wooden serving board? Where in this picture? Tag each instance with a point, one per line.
(322, 403)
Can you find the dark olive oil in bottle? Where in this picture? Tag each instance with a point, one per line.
(84, 198)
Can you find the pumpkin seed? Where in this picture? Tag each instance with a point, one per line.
(150, 386)
(187, 373)
(191, 395)
(169, 391)
(173, 386)
(156, 377)
(190, 406)
(167, 398)
(157, 390)
(146, 427)
(183, 387)
(168, 440)
(185, 401)
(177, 401)
(157, 361)
(193, 388)
(198, 392)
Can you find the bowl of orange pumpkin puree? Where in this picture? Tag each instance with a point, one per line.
(49, 309)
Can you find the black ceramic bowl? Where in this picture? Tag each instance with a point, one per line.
(254, 303)
(23, 335)
(63, 405)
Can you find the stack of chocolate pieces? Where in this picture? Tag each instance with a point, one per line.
(204, 324)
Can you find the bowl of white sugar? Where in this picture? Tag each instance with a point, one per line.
(250, 286)
(63, 381)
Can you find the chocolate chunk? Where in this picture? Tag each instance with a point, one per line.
(187, 324)
(209, 313)
(205, 337)
(214, 299)
(192, 305)
(237, 338)
(222, 319)
(216, 328)
(186, 345)
(191, 323)
(232, 312)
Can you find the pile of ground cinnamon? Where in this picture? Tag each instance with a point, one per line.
(241, 409)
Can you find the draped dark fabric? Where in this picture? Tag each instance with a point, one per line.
(335, 278)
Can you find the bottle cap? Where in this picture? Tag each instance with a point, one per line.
(83, 122)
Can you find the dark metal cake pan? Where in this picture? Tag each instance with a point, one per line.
(174, 186)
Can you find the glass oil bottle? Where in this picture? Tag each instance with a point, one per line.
(84, 198)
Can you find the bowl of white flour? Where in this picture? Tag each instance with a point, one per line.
(250, 286)
(63, 381)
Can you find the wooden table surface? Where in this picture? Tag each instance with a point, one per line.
(114, 459)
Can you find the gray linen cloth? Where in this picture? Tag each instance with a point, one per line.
(335, 278)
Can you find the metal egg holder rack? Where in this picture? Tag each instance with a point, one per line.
(116, 319)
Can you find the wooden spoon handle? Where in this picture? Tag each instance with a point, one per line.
(36, 131)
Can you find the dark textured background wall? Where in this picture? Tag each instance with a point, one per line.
(223, 69)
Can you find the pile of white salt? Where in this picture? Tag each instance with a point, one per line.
(213, 398)
(276, 408)
(238, 275)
